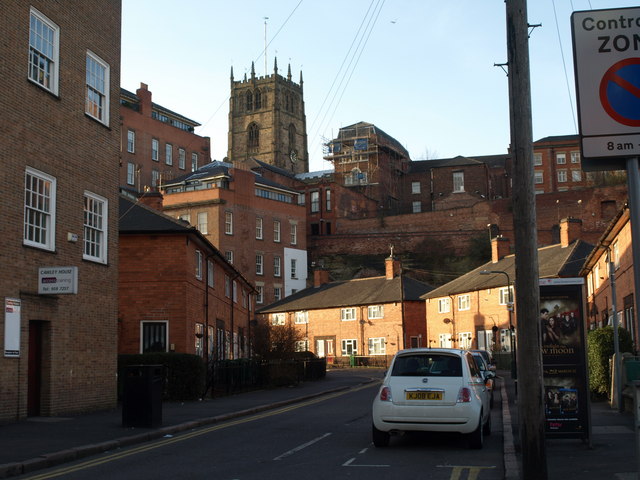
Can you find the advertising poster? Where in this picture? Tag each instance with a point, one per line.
(12, 327)
(566, 397)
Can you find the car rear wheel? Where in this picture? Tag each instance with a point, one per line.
(476, 438)
(380, 438)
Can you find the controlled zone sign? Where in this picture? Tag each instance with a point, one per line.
(606, 48)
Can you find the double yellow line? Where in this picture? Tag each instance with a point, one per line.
(196, 433)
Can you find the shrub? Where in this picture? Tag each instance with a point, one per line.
(185, 373)
(599, 350)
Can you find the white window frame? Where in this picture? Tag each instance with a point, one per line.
(377, 346)
(259, 264)
(301, 317)
(327, 199)
(203, 222)
(259, 294)
(562, 176)
(168, 154)
(277, 293)
(96, 224)
(276, 231)
(575, 157)
(503, 294)
(155, 178)
(444, 305)
(194, 161)
(229, 256)
(294, 268)
(131, 173)
(39, 210)
(458, 182)
(294, 234)
(349, 346)
(302, 345)
(277, 266)
(198, 264)
(278, 318)
(259, 230)
(348, 314)
(228, 223)
(537, 159)
(415, 188)
(464, 340)
(182, 158)
(131, 141)
(155, 149)
(375, 312)
(464, 302)
(47, 77)
(97, 90)
(561, 158)
(315, 201)
(538, 178)
(416, 207)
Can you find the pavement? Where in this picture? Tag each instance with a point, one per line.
(42, 442)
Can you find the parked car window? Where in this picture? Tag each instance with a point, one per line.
(427, 365)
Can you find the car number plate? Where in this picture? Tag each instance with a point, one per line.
(424, 395)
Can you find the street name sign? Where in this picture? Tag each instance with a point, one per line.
(606, 55)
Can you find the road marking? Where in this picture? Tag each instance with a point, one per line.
(196, 433)
(348, 464)
(300, 447)
(458, 470)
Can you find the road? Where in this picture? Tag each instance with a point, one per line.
(327, 437)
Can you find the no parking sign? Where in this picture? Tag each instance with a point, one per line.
(606, 46)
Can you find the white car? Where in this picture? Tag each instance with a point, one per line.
(432, 390)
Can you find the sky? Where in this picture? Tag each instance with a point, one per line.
(424, 71)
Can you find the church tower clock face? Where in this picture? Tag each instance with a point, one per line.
(267, 121)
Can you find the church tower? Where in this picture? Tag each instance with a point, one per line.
(267, 121)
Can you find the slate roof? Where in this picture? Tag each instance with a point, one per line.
(559, 138)
(135, 98)
(553, 261)
(221, 169)
(349, 293)
(392, 141)
(139, 218)
(419, 166)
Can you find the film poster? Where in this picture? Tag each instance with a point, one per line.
(566, 397)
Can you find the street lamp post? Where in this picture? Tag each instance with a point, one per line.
(514, 369)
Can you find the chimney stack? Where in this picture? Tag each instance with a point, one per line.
(500, 248)
(570, 230)
(393, 268)
(320, 277)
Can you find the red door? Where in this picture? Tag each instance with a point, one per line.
(34, 369)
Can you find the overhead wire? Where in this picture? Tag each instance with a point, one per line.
(564, 66)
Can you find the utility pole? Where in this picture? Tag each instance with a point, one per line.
(530, 390)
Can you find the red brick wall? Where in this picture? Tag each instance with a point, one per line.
(52, 134)
(158, 283)
(146, 128)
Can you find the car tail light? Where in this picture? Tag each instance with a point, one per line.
(385, 394)
(464, 395)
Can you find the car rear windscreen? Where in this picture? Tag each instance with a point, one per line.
(427, 365)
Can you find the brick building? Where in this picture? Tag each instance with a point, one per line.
(472, 310)
(372, 317)
(158, 145)
(177, 292)
(615, 246)
(256, 222)
(267, 121)
(60, 132)
(371, 162)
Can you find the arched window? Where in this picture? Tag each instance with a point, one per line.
(257, 99)
(249, 100)
(253, 137)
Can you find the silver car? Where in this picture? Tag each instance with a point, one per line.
(432, 390)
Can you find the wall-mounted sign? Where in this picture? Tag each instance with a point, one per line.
(12, 327)
(57, 280)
